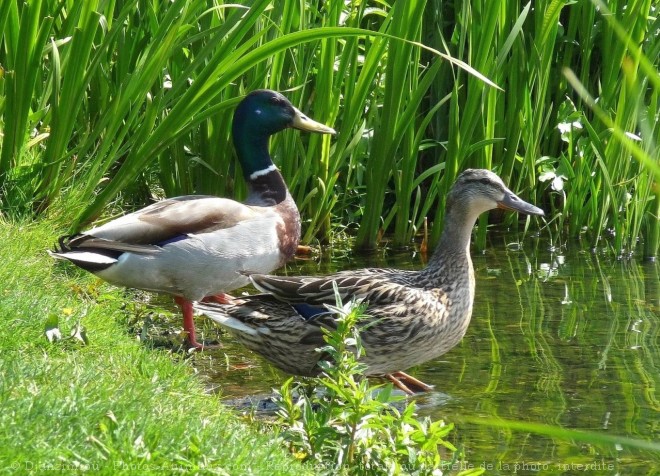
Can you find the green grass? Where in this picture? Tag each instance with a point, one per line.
(112, 404)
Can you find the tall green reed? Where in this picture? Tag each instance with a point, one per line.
(483, 127)
(25, 31)
(135, 99)
(620, 152)
(588, 180)
(400, 80)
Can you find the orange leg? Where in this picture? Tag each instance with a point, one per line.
(407, 383)
(189, 324)
(221, 298)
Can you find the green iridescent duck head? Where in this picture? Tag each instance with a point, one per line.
(259, 115)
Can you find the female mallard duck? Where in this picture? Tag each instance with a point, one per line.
(196, 247)
(412, 316)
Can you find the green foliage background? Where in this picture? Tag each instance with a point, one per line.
(132, 100)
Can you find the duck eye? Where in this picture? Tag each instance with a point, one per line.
(485, 181)
(275, 101)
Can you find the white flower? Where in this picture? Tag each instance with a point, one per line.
(558, 183)
(566, 127)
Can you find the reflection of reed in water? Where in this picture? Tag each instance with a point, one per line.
(568, 341)
(574, 344)
(606, 327)
(636, 302)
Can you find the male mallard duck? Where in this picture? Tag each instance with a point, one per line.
(196, 247)
(412, 316)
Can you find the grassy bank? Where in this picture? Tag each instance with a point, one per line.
(112, 404)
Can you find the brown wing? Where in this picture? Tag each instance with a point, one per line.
(170, 218)
(373, 285)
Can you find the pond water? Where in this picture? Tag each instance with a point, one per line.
(564, 338)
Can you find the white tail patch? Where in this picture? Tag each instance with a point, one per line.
(84, 257)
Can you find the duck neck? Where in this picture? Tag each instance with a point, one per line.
(450, 266)
(264, 180)
(454, 244)
(267, 187)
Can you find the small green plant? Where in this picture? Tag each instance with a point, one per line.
(339, 424)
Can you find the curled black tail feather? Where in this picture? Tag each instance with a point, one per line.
(64, 243)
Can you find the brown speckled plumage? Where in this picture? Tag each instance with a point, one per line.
(415, 316)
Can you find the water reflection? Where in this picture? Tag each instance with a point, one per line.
(565, 339)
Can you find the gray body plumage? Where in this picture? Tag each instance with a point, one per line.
(197, 247)
(189, 246)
